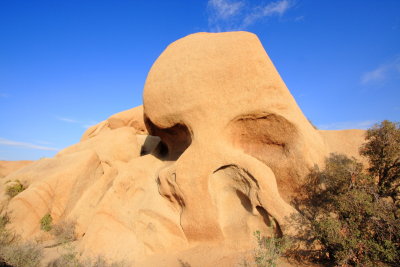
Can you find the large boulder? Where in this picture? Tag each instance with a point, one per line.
(216, 153)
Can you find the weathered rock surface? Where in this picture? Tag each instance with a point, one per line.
(7, 167)
(227, 148)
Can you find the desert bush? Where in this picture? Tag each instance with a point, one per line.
(70, 258)
(22, 254)
(382, 149)
(64, 231)
(15, 188)
(269, 249)
(6, 237)
(15, 253)
(349, 223)
(46, 222)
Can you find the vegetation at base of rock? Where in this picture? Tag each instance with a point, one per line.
(16, 253)
(13, 252)
(46, 222)
(349, 223)
(22, 254)
(382, 150)
(64, 231)
(269, 249)
(348, 214)
(71, 258)
(15, 188)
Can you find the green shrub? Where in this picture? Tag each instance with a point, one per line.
(46, 222)
(269, 250)
(382, 149)
(14, 189)
(349, 223)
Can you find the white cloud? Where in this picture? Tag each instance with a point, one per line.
(7, 142)
(43, 142)
(227, 15)
(271, 9)
(84, 124)
(67, 120)
(299, 18)
(224, 8)
(383, 72)
(347, 125)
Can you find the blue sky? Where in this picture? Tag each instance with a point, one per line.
(65, 65)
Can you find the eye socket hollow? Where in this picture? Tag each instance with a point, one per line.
(174, 140)
(273, 140)
(262, 133)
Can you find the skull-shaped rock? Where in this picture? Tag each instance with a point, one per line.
(232, 135)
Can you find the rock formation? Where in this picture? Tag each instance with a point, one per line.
(216, 153)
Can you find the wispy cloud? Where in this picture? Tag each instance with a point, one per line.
(347, 125)
(7, 142)
(299, 18)
(271, 9)
(43, 142)
(83, 124)
(226, 15)
(383, 72)
(225, 9)
(4, 95)
(67, 120)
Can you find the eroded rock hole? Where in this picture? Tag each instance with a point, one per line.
(270, 221)
(270, 138)
(260, 132)
(174, 140)
(244, 200)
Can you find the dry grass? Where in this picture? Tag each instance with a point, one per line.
(14, 188)
(64, 231)
(71, 258)
(17, 253)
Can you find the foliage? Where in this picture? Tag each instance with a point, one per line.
(382, 148)
(349, 223)
(46, 222)
(22, 254)
(64, 231)
(15, 253)
(15, 188)
(269, 249)
(70, 258)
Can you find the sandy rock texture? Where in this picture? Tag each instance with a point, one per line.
(7, 167)
(217, 152)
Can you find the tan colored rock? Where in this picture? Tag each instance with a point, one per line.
(345, 142)
(219, 105)
(232, 147)
(129, 118)
(7, 167)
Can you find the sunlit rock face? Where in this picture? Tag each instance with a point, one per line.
(216, 153)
